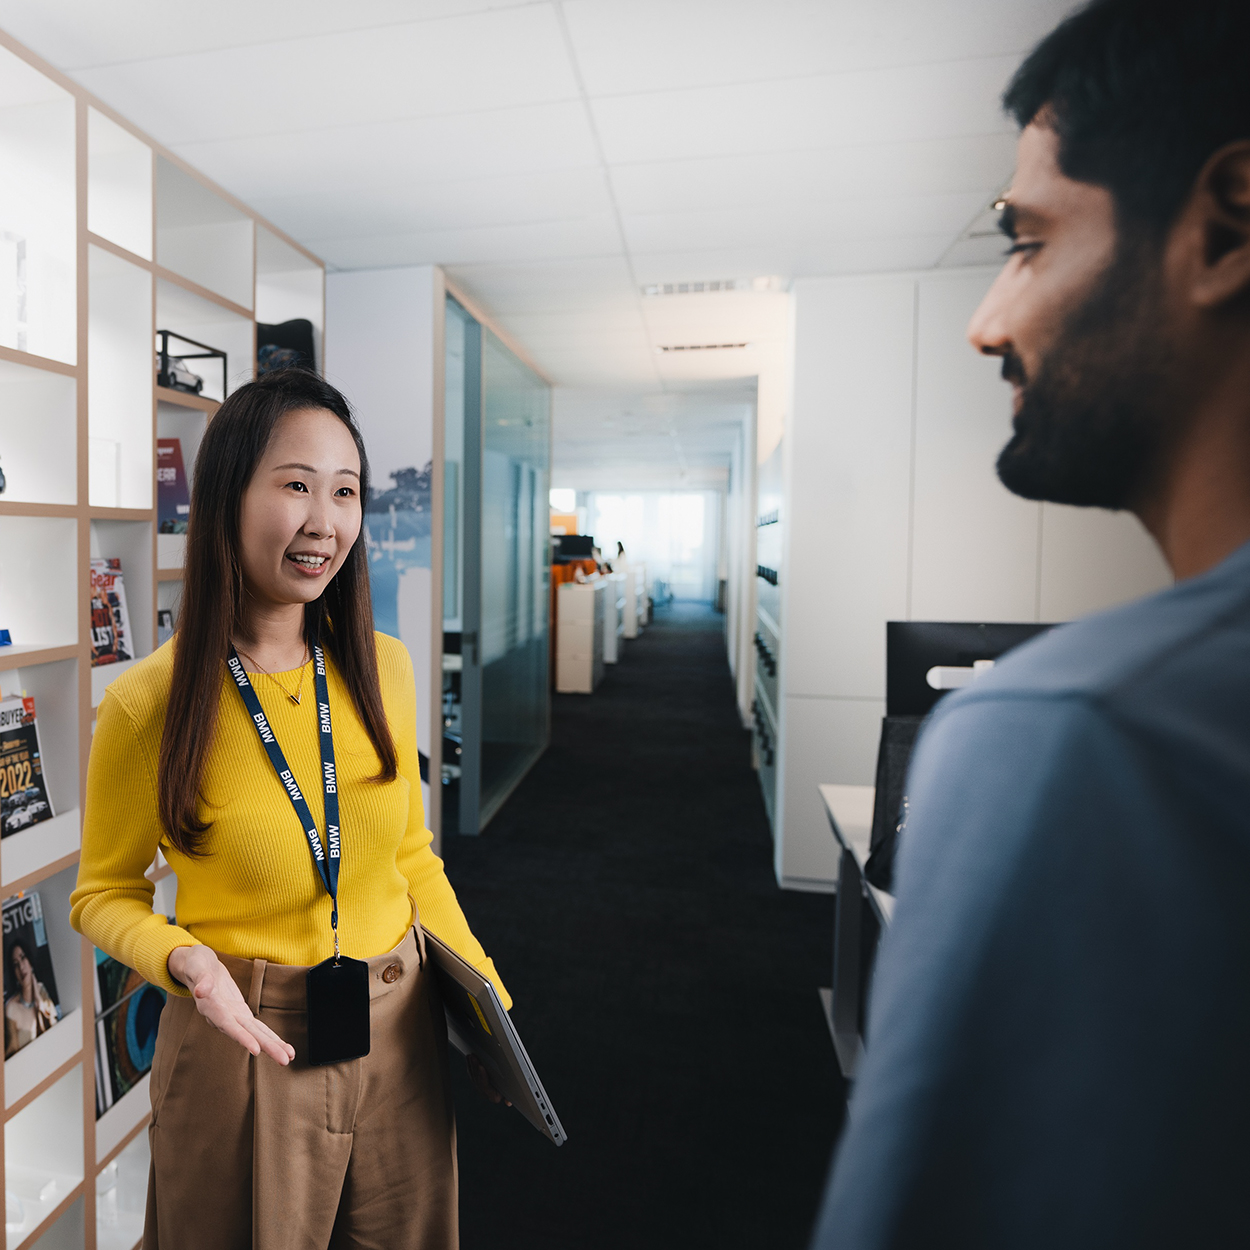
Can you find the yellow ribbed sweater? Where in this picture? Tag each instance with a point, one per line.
(256, 893)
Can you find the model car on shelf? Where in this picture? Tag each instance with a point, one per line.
(180, 378)
(171, 367)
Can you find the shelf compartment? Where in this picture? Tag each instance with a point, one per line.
(47, 1137)
(119, 185)
(38, 213)
(54, 688)
(34, 1064)
(38, 552)
(169, 593)
(183, 399)
(289, 286)
(64, 945)
(25, 853)
(121, 1194)
(131, 543)
(122, 1118)
(66, 1231)
(202, 236)
(38, 434)
(187, 425)
(185, 312)
(119, 387)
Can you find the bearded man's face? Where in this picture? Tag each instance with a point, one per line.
(1076, 316)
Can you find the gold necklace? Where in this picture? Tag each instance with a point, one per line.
(299, 690)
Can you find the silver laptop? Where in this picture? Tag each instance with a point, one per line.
(478, 1025)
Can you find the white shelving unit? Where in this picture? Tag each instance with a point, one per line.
(105, 237)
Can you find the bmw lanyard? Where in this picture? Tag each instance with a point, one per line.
(325, 860)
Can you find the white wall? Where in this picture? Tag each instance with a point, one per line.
(895, 513)
(383, 351)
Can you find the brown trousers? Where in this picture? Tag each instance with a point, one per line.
(246, 1153)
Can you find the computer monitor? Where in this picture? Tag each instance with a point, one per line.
(575, 546)
(912, 648)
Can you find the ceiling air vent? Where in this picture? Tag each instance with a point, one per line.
(715, 284)
(701, 347)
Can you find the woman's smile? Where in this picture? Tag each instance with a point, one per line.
(309, 563)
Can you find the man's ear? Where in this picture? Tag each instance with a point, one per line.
(1218, 216)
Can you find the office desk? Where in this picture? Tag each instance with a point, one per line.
(862, 914)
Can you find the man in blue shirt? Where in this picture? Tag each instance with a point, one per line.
(1058, 1048)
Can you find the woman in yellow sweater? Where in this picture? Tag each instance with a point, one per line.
(299, 1088)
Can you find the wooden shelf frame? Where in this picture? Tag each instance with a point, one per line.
(184, 399)
(28, 656)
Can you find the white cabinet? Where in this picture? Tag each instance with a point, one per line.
(614, 617)
(635, 612)
(579, 638)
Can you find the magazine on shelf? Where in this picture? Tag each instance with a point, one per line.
(110, 622)
(164, 625)
(127, 1012)
(31, 1003)
(173, 500)
(24, 798)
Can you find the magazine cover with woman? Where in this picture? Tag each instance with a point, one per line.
(31, 1004)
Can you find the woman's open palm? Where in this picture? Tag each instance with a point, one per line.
(219, 1000)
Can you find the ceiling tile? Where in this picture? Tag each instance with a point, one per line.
(915, 167)
(625, 317)
(802, 224)
(560, 195)
(831, 257)
(875, 106)
(591, 236)
(560, 286)
(534, 140)
(490, 60)
(739, 316)
(626, 46)
(77, 33)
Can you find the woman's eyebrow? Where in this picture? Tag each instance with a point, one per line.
(309, 469)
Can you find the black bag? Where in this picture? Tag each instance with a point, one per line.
(898, 736)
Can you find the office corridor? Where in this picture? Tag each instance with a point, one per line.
(665, 987)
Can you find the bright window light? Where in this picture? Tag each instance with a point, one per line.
(563, 500)
(675, 535)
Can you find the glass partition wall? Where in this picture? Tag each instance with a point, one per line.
(496, 581)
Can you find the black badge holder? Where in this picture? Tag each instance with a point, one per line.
(338, 1011)
(338, 988)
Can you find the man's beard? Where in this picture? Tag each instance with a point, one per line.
(1094, 423)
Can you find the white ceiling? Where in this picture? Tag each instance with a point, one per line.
(654, 440)
(555, 155)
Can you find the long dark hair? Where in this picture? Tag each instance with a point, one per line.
(213, 595)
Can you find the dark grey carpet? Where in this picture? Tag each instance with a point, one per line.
(664, 985)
